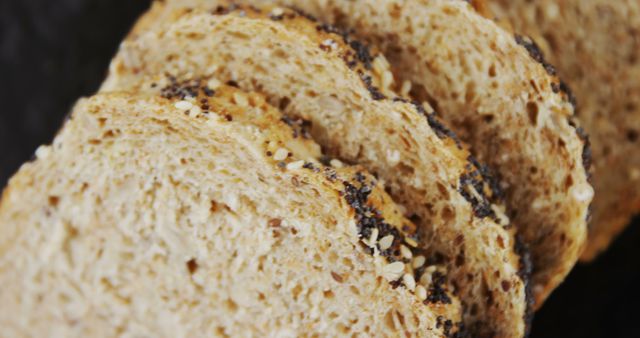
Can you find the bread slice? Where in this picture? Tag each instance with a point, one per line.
(595, 45)
(156, 216)
(314, 74)
(485, 84)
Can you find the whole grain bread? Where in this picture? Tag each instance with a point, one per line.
(206, 216)
(317, 74)
(492, 90)
(595, 46)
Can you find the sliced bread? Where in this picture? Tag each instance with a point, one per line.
(595, 46)
(169, 217)
(493, 92)
(315, 73)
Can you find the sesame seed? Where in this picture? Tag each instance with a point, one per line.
(425, 279)
(378, 261)
(421, 292)
(277, 11)
(386, 242)
(213, 83)
(43, 152)
(380, 64)
(406, 88)
(418, 262)
(195, 111)
(374, 237)
(280, 154)
(405, 252)
(387, 79)
(393, 156)
(409, 281)
(583, 194)
(336, 163)
(183, 105)
(412, 242)
(295, 165)
(393, 271)
(240, 100)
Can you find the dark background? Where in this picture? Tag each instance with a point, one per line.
(54, 51)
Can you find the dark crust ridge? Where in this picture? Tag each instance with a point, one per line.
(563, 87)
(438, 127)
(477, 174)
(299, 126)
(534, 51)
(451, 330)
(586, 162)
(524, 272)
(481, 204)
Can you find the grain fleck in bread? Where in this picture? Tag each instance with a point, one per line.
(170, 217)
(314, 72)
(595, 44)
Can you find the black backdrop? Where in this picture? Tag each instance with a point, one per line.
(54, 51)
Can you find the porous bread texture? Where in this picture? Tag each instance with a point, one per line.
(329, 79)
(147, 218)
(594, 44)
(499, 100)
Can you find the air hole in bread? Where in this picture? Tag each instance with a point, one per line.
(532, 111)
(53, 201)
(492, 71)
(568, 182)
(192, 266)
(632, 135)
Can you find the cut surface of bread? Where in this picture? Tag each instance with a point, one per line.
(594, 44)
(484, 82)
(156, 216)
(330, 80)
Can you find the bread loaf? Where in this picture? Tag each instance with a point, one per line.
(203, 216)
(595, 44)
(490, 88)
(316, 73)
